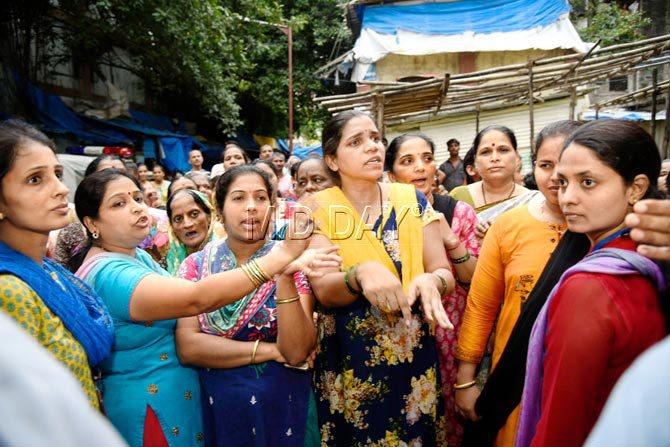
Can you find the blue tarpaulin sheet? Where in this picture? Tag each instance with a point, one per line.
(59, 118)
(151, 120)
(457, 17)
(175, 146)
(303, 151)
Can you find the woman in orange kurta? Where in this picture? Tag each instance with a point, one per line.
(513, 255)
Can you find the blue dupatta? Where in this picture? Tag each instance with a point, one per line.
(80, 309)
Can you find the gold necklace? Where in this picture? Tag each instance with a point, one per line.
(510, 193)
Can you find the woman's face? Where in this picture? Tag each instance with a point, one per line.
(274, 181)
(33, 199)
(142, 172)
(233, 157)
(415, 164)
(159, 174)
(151, 195)
(110, 163)
(311, 178)
(593, 197)
(360, 154)
(246, 209)
(123, 219)
(665, 169)
(545, 168)
(496, 159)
(189, 221)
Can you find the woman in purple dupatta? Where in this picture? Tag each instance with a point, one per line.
(606, 309)
(249, 395)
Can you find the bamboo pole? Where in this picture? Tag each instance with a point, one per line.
(666, 138)
(443, 93)
(531, 100)
(654, 93)
(573, 102)
(477, 120)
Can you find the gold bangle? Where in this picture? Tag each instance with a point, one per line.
(287, 300)
(253, 353)
(252, 278)
(254, 271)
(465, 385)
(263, 274)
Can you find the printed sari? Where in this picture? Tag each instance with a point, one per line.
(265, 404)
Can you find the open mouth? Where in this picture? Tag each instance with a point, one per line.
(191, 234)
(420, 181)
(142, 221)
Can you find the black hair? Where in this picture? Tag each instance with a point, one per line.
(158, 165)
(469, 160)
(453, 141)
(87, 201)
(294, 169)
(171, 185)
(278, 152)
(556, 129)
(267, 163)
(332, 134)
(228, 177)
(13, 134)
(623, 146)
(313, 157)
(503, 129)
(233, 145)
(197, 198)
(93, 166)
(529, 181)
(397, 142)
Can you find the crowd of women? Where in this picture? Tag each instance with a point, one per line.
(345, 299)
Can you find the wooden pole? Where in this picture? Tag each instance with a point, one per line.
(531, 100)
(666, 138)
(573, 102)
(597, 112)
(477, 120)
(654, 93)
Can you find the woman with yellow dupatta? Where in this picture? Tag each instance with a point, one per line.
(377, 375)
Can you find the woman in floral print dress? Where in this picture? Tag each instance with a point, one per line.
(377, 376)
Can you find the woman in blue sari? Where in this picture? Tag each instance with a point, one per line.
(149, 397)
(255, 386)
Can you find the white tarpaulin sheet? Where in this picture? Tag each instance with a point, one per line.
(372, 46)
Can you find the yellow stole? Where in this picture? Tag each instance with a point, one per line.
(337, 219)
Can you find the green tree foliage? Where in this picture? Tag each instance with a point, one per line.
(203, 57)
(610, 22)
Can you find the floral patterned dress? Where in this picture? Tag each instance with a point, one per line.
(377, 379)
(463, 225)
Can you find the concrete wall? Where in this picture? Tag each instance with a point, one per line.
(395, 66)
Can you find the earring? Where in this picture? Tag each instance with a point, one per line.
(2, 217)
(95, 235)
(633, 201)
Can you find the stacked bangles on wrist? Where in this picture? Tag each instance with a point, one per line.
(255, 272)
